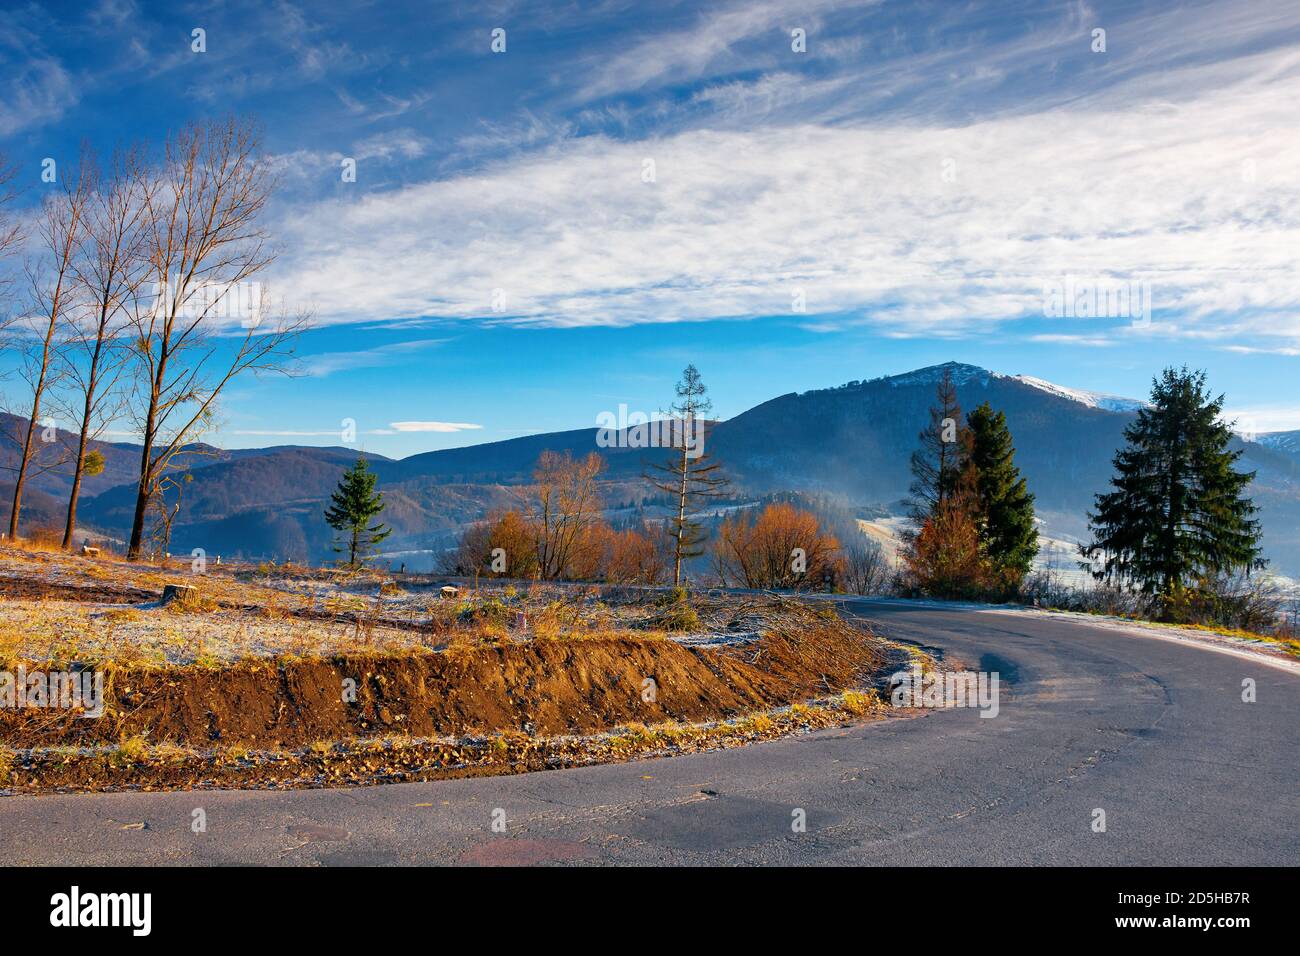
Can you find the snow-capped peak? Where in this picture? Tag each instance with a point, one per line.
(1111, 403)
(961, 374)
(1282, 441)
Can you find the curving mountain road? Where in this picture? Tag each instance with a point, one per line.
(1153, 733)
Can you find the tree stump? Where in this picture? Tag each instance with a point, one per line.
(178, 592)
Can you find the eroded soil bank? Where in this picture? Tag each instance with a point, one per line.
(496, 708)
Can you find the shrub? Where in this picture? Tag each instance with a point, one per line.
(677, 613)
(859, 702)
(761, 552)
(944, 557)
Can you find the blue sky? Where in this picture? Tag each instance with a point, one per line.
(538, 235)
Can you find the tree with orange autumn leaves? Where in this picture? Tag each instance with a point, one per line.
(782, 547)
(561, 535)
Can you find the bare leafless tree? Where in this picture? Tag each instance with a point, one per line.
(11, 239)
(110, 269)
(53, 302)
(166, 506)
(205, 246)
(11, 235)
(568, 502)
(866, 569)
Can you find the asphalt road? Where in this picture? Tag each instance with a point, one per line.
(1154, 734)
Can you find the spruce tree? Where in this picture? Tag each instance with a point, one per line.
(1178, 515)
(352, 506)
(942, 550)
(1004, 505)
(941, 462)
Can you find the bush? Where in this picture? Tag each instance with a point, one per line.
(1235, 602)
(677, 613)
(761, 552)
(675, 595)
(944, 558)
(1230, 602)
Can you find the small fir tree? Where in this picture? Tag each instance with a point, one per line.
(352, 507)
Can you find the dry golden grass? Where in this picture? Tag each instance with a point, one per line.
(97, 610)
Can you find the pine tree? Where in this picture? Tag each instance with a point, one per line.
(940, 465)
(941, 547)
(1004, 506)
(690, 476)
(352, 506)
(1178, 515)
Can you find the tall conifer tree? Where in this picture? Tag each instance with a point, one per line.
(1178, 514)
(690, 476)
(1004, 505)
(941, 461)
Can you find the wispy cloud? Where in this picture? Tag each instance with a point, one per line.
(444, 427)
(328, 363)
(1254, 420)
(38, 89)
(707, 46)
(1091, 341)
(915, 229)
(1256, 350)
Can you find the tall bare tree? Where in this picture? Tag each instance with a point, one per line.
(690, 475)
(110, 270)
(11, 239)
(11, 234)
(205, 246)
(53, 287)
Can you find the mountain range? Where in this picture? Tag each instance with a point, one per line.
(851, 442)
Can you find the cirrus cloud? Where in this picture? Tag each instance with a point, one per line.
(433, 426)
(912, 228)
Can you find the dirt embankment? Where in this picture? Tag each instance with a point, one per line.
(544, 687)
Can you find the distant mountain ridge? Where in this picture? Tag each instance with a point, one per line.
(851, 441)
(1286, 442)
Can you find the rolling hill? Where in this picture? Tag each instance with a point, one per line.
(851, 442)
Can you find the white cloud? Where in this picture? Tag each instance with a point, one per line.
(704, 47)
(859, 219)
(1093, 341)
(398, 143)
(38, 91)
(1251, 350)
(271, 433)
(432, 426)
(1253, 420)
(327, 363)
(1170, 160)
